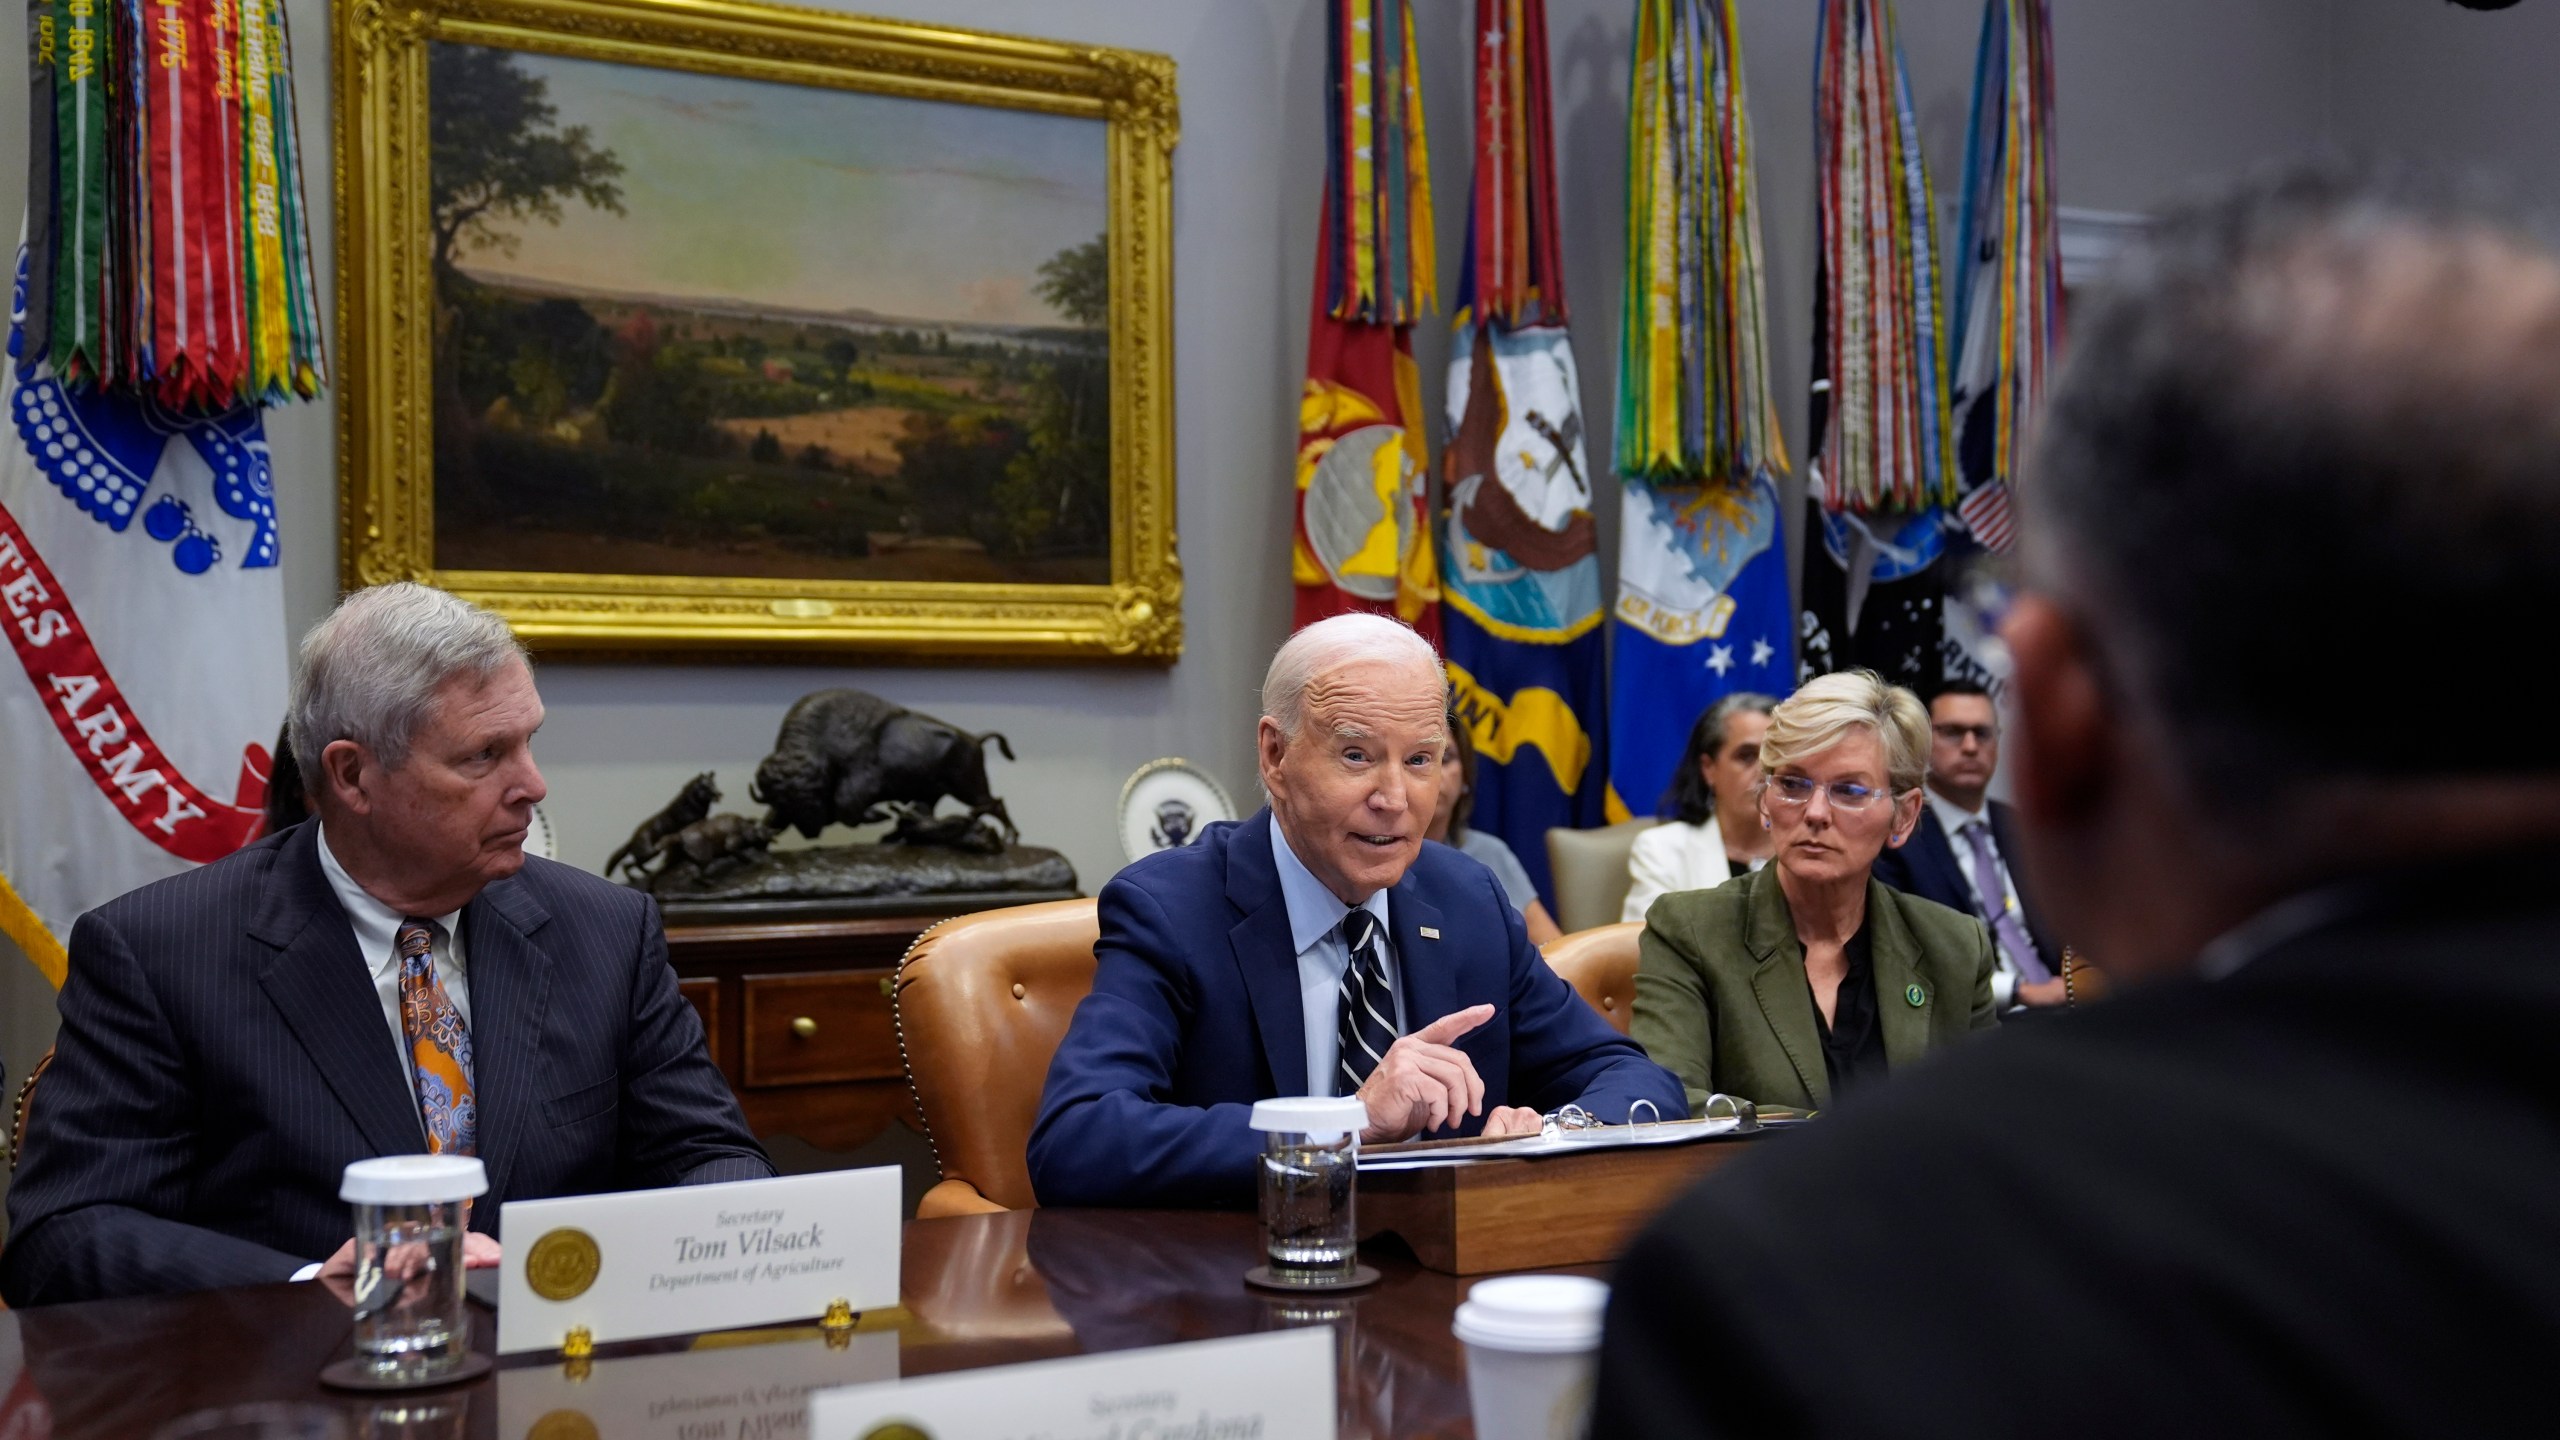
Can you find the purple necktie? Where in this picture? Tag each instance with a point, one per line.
(2005, 928)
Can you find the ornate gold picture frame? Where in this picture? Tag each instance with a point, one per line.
(703, 325)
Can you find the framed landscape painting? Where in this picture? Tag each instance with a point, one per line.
(684, 324)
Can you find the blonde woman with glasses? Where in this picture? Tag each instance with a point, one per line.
(1809, 979)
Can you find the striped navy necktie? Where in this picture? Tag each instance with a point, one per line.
(1366, 1027)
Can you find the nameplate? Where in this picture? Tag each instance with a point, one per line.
(1259, 1387)
(696, 1257)
(749, 1390)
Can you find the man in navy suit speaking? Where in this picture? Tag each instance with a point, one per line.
(1318, 948)
(395, 976)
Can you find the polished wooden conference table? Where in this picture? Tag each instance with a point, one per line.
(975, 1291)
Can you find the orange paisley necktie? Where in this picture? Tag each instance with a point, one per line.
(439, 1046)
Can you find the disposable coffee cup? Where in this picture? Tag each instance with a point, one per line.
(1532, 1342)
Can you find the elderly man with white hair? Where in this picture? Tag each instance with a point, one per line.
(1318, 948)
(394, 977)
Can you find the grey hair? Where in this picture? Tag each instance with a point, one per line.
(1330, 644)
(369, 672)
(1825, 709)
(2309, 423)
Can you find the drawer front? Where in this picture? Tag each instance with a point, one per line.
(812, 1029)
(704, 997)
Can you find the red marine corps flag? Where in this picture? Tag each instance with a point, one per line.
(163, 294)
(1363, 535)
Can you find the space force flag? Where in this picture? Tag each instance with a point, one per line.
(146, 650)
(1520, 562)
(1362, 540)
(1702, 567)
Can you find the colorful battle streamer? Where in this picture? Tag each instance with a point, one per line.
(1884, 444)
(1702, 575)
(170, 254)
(2008, 316)
(1363, 541)
(1519, 558)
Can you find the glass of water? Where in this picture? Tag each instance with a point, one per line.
(1310, 1154)
(410, 1215)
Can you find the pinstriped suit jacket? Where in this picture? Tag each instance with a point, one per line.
(223, 1056)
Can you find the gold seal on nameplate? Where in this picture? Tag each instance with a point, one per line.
(564, 1425)
(897, 1430)
(562, 1264)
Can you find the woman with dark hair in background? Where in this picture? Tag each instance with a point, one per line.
(1449, 827)
(1714, 833)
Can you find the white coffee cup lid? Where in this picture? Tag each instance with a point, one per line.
(414, 1180)
(1321, 1118)
(1537, 1314)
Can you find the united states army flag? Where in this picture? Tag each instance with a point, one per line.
(147, 664)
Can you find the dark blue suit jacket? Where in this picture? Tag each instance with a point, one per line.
(1195, 1015)
(224, 1055)
(1926, 866)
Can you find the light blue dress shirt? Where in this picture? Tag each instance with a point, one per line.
(1315, 929)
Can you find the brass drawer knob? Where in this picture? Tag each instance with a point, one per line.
(1018, 991)
(804, 1027)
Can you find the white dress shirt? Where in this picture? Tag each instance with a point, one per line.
(1676, 856)
(1315, 929)
(377, 929)
(1953, 818)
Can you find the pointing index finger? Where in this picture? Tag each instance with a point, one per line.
(1448, 1028)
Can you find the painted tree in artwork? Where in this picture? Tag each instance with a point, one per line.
(497, 158)
(497, 153)
(1057, 493)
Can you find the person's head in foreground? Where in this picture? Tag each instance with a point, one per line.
(2314, 437)
(413, 713)
(2294, 1176)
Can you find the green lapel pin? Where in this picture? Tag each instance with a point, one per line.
(1917, 996)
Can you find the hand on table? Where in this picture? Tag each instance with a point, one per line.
(2043, 992)
(1424, 1081)
(1513, 1120)
(338, 1272)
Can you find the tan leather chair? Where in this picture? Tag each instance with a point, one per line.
(1600, 965)
(982, 1002)
(1591, 872)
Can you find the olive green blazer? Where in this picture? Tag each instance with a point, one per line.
(1722, 1002)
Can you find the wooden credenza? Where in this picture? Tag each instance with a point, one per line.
(800, 1013)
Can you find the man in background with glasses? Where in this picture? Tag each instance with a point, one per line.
(1964, 855)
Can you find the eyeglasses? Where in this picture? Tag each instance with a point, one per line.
(1955, 734)
(1845, 794)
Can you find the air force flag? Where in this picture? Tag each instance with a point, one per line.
(1702, 613)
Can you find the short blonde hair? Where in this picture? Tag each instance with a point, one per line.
(1825, 709)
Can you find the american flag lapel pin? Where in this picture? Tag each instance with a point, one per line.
(1428, 933)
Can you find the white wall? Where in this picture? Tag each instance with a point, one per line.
(2453, 87)
(2155, 95)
